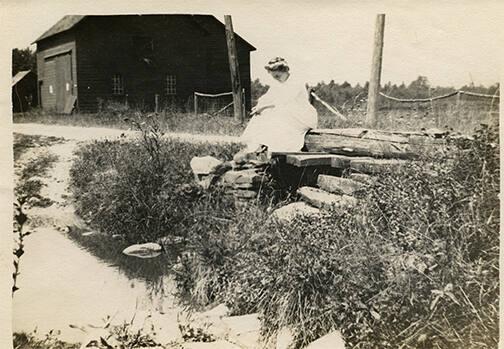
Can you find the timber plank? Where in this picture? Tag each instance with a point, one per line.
(363, 133)
(351, 146)
(339, 185)
(360, 132)
(373, 166)
(322, 199)
(308, 159)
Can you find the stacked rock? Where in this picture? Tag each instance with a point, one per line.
(243, 181)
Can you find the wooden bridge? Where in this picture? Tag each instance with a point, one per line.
(335, 165)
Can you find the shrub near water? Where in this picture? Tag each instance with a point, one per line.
(143, 189)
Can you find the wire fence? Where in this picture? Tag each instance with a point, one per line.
(430, 99)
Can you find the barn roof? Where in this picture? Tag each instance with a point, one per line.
(19, 76)
(69, 21)
(64, 24)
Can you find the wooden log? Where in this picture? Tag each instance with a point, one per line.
(322, 199)
(234, 69)
(376, 66)
(353, 146)
(425, 140)
(340, 161)
(307, 159)
(373, 166)
(397, 137)
(339, 185)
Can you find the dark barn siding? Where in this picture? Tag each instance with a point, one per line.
(195, 54)
(192, 48)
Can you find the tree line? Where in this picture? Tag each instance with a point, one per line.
(346, 96)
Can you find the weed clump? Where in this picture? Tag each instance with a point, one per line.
(143, 190)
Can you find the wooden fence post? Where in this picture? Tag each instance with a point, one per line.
(156, 103)
(234, 69)
(195, 104)
(374, 81)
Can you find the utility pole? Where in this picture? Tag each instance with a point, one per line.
(376, 65)
(234, 69)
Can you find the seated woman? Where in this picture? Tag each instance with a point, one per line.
(281, 117)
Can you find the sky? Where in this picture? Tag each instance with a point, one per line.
(453, 43)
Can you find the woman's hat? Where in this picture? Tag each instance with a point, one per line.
(277, 63)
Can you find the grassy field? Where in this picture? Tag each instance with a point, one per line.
(170, 122)
(464, 118)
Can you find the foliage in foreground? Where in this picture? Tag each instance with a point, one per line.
(24, 340)
(415, 266)
(144, 189)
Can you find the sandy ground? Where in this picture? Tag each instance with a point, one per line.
(90, 133)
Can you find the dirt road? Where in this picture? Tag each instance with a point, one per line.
(91, 133)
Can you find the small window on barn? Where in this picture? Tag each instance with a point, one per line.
(171, 85)
(117, 84)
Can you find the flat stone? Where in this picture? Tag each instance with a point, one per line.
(322, 199)
(362, 178)
(295, 209)
(333, 340)
(147, 250)
(338, 185)
(244, 176)
(204, 165)
(244, 330)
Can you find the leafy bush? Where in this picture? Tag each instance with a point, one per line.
(143, 189)
(50, 341)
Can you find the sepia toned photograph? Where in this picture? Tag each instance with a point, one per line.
(253, 174)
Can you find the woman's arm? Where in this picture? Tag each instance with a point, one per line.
(259, 110)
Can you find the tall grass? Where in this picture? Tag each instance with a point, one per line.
(464, 118)
(415, 265)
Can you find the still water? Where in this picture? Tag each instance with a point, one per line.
(62, 284)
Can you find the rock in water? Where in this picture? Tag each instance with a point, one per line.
(147, 250)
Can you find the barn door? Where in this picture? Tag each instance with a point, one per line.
(64, 81)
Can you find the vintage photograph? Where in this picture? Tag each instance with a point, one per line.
(254, 174)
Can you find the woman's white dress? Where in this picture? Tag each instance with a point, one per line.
(283, 127)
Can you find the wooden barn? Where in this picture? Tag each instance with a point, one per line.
(86, 61)
(24, 91)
